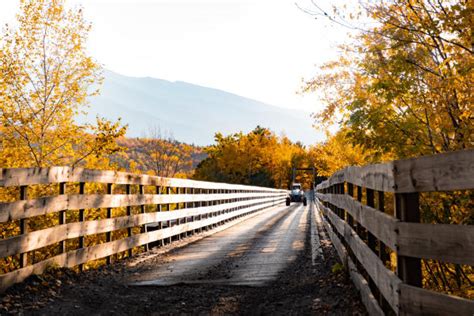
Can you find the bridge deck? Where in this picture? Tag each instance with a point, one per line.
(249, 253)
(263, 265)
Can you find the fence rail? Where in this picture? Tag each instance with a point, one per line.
(179, 207)
(361, 232)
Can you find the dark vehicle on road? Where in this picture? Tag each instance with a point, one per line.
(296, 195)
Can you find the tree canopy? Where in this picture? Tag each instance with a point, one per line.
(404, 86)
(46, 76)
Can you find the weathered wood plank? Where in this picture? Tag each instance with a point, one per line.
(381, 225)
(370, 302)
(376, 177)
(448, 243)
(418, 301)
(121, 200)
(80, 256)
(42, 238)
(443, 172)
(29, 208)
(28, 176)
(8, 279)
(361, 284)
(341, 250)
(386, 281)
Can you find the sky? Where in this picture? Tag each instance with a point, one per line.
(260, 49)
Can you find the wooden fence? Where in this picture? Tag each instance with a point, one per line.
(179, 207)
(361, 231)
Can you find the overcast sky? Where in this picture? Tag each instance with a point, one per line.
(259, 49)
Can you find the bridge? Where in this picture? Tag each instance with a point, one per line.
(180, 246)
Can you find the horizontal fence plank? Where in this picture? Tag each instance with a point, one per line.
(376, 177)
(12, 211)
(371, 304)
(17, 276)
(386, 281)
(361, 284)
(41, 206)
(341, 250)
(443, 172)
(29, 176)
(80, 256)
(45, 237)
(417, 301)
(444, 242)
(381, 225)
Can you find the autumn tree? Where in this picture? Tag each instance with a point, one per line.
(46, 77)
(257, 158)
(158, 154)
(337, 153)
(163, 155)
(405, 85)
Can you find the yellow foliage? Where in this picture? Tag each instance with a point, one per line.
(45, 79)
(257, 158)
(405, 85)
(158, 156)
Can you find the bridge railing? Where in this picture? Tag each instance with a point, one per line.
(353, 204)
(130, 211)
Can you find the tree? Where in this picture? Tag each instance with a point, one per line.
(158, 154)
(337, 153)
(257, 158)
(45, 79)
(164, 155)
(404, 86)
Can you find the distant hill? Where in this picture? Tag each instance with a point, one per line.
(191, 113)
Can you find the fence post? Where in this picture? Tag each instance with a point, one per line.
(186, 206)
(82, 190)
(371, 240)
(350, 192)
(108, 235)
(213, 202)
(383, 255)
(62, 217)
(168, 192)
(200, 205)
(359, 199)
(128, 189)
(178, 207)
(407, 209)
(141, 189)
(23, 226)
(192, 205)
(159, 209)
(342, 190)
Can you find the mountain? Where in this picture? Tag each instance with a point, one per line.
(190, 112)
